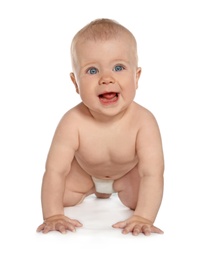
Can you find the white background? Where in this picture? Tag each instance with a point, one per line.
(35, 91)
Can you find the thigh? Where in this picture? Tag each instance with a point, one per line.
(128, 188)
(78, 185)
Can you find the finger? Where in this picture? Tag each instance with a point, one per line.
(120, 224)
(46, 229)
(71, 227)
(129, 228)
(146, 230)
(41, 227)
(61, 228)
(75, 222)
(156, 230)
(136, 231)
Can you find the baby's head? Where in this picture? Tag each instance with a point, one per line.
(102, 30)
(105, 70)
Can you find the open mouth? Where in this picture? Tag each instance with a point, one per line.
(109, 97)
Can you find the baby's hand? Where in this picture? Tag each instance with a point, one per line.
(59, 223)
(137, 225)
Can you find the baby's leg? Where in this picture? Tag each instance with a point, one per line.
(128, 187)
(78, 185)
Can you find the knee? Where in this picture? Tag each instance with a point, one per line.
(128, 199)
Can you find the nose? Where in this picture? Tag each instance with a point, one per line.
(106, 79)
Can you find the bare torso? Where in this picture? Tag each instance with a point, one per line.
(107, 150)
(84, 147)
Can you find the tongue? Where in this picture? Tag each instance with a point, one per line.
(109, 95)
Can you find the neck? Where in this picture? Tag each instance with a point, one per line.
(108, 119)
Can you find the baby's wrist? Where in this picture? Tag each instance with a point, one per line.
(53, 217)
(145, 220)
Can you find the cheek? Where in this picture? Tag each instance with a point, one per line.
(85, 91)
(131, 87)
(131, 83)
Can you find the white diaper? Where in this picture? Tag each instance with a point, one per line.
(103, 186)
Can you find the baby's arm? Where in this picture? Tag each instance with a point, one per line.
(151, 168)
(58, 164)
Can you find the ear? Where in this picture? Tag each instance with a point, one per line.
(138, 74)
(72, 76)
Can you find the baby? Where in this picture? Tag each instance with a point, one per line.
(108, 143)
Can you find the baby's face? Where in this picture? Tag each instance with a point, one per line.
(106, 74)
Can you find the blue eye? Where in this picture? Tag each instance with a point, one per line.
(92, 70)
(118, 68)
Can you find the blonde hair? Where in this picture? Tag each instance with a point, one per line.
(100, 30)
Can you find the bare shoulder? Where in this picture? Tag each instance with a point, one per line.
(144, 117)
(73, 116)
(67, 129)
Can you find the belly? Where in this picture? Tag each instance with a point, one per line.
(107, 169)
